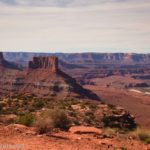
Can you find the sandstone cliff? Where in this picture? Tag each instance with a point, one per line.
(50, 63)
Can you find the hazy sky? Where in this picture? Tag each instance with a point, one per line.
(75, 25)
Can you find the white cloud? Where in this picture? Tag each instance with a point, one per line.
(64, 3)
(110, 26)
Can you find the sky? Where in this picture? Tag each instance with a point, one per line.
(75, 26)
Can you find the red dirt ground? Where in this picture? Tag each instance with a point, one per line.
(13, 135)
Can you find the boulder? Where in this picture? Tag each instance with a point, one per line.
(85, 130)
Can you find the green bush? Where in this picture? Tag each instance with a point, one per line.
(93, 106)
(107, 121)
(72, 114)
(87, 119)
(26, 119)
(111, 106)
(38, 104)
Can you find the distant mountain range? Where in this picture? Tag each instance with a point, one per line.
(83, 58)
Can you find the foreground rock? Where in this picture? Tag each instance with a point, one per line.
(85, 130)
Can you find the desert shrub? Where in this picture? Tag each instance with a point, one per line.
(141, 134)
(111, 106)
(38, 104)
(72, 114)
(59, 119)
(83, 106)
(87, 119)
(63, 104)
(43, 125)
(24, 102)
(31, 109)
(66, 104)
(88, 104)
(123, 148)
(76, 122)
(109, 122)
(1, 107)
(144, 136)
(125, 122)
(9, 102)
(92, 106)
(89, 114)
(12, 110)
(52, 118)
(26, 119)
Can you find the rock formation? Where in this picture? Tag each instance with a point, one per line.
(50, 63)
(43, 78)
(85, 66)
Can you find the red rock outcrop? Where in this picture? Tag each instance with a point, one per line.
(50, 63)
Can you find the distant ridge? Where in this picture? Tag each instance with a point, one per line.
(84, 58)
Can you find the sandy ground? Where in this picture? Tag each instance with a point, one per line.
(21, 137)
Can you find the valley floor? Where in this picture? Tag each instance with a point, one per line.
(136, 103)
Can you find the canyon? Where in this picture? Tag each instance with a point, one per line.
(101, 99)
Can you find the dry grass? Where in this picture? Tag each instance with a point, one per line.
(141, 134)
(52, 118)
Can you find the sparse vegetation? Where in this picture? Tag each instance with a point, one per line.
(38, 104)
(123, 122)
(62, 113)
(142, 134)
(93, 106)
(111, 106)
(87, 120)
(26, 119)
(123, 148)
(72, 114)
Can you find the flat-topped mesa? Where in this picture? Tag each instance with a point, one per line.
(50, 63)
